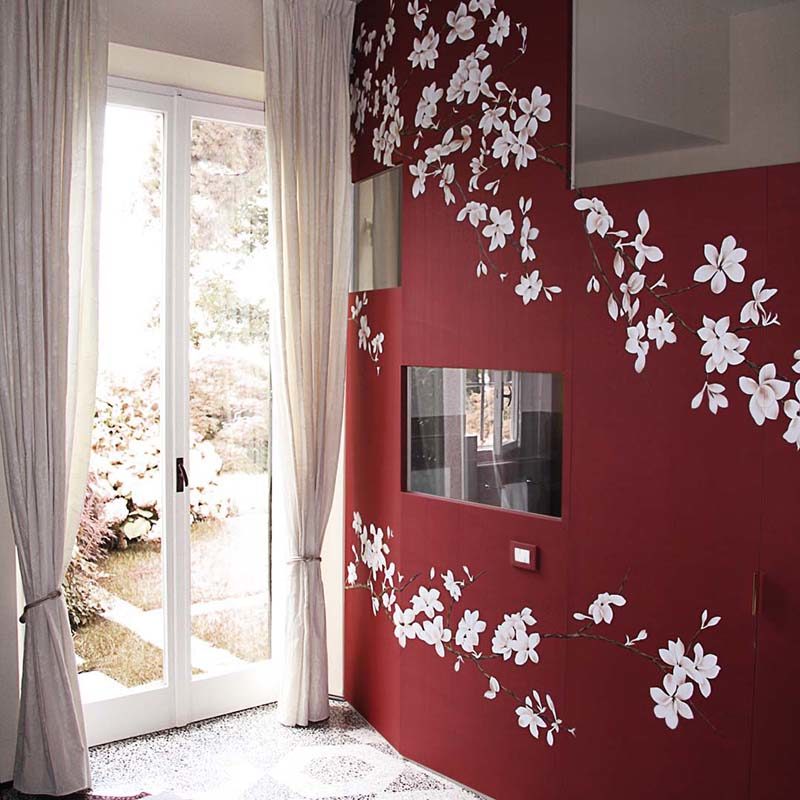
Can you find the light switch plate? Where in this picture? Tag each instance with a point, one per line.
(524, 556)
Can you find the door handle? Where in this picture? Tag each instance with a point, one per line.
(181, 477)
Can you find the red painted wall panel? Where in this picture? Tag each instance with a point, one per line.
(687, 504)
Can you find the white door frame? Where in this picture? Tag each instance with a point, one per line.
(182, 698)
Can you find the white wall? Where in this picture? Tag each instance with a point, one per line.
(764, 107)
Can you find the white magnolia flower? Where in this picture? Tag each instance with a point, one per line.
(477, 83)
(425, 51)
(484, 6)
(481, 269)
(673, 653)
(705, 622)
(796, 357)
(427, 106)
(390, 30)
(753, 310)
(501, 224)
(723, 347)
(527, 235)
(420, 13)
(461, 24)
(593, 285)
(640, 637)
(598, 220)
(601, 608)
(671, 702)
(764, 394)
(716, 397)
(376, 344)
(470, 627)
(660, 329)
(404, 625)
(504, 635)
(792, 410)
(426, 601)
(527, 717)
(447, 177)
(524, 647)
(529, 287)
(419, 171)
(505, 145)
(376, 606)
(475, 211)
(500, 29)
(645, 252)
(352, 573)
(722, 265)
(363, 332)
(492, 119)
(435, 634)
(451, 585)
(702, 669)
(637, 345)
(533, 111)
(494, 688)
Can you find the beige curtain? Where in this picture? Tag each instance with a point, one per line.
(307, 55)
(53, 56)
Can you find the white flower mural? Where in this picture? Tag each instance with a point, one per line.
(510, 125)
(431, 617)
(371, 344)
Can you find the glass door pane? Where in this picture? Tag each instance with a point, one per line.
(114, 583)
(229, 399)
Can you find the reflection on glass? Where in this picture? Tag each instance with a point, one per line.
(114, 583)
(229, 398)
(488, 436)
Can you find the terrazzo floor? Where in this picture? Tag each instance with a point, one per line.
(251, 756)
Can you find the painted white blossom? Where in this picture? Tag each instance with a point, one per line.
(671, 701)
(481, 269)
(527, 235)
(753, 310)
(501, 224)
(494, 688)
(505, 144)
(352, 573)
(492, 119)
(405, 627)
(477, 83)
(645, 252)
(593, 284)
(673, 653)
(706, 622)
(368, 42)
(504, 635)
(419, 13)
(529, 718)
(427, 106)
(529, 287)
(425, 51)
(363, 332)
(716, 397)
(445, 180)
(702, 669)
(764, 393)
(470, 627)
(500, 29)
(637, 345)
(533, 111)
(451, 585)
(484, 6)
(524, 647)
(722, 347)
(640, 637)
(426, 601)
(796, 365)
(661, 329)
(461, 24)
(435, 634)
(792, 410)
(419, 171)
(598, 220)
(601, 608)
(390, 30)
(476, 212)
(722, 265)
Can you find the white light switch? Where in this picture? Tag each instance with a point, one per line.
(522, 556)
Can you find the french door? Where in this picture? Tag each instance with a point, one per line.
(176, 527)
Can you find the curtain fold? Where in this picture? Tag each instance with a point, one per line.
(306, 60)
(53, 57)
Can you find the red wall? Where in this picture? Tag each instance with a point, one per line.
(688, 504)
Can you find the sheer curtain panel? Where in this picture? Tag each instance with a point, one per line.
(306, 59)
(53, 56)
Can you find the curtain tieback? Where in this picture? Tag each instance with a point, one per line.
(304, 559)
(34, 603)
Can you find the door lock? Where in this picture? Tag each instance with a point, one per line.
(181, 477)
